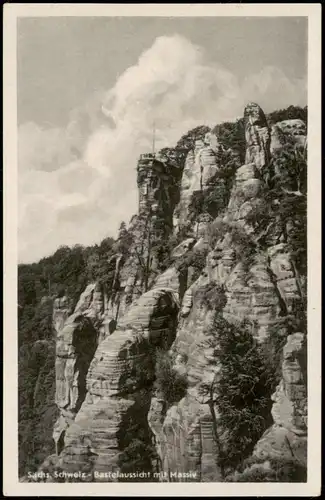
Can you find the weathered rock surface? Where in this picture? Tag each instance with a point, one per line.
(61, 312)
(287, 438)
(184, 439)
(96, 316)
(201, 168)
(119, 383)
(262, 291)
(157, 181)
(258, 137)
(185, 434)
(76, 342)
(183, 247)
(106, 348)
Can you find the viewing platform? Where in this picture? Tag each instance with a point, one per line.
(146, 159)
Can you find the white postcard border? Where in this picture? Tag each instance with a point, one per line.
(12, 487)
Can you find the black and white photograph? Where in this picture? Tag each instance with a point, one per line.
(163, 278)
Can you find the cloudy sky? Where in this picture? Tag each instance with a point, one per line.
(89, 90)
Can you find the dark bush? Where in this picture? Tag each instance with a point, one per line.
(290, 113)
(135, 441)
(271, 470)
(243, 386)
(195, 259)
(213, 296)
(169, 383)
(187, 141)
(232, 136)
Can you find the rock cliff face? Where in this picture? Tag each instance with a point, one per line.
(262, 293)
(258, 137)
(113, 404)
(107, 349)
(288, 435)
(158, 184)
(76, 343)
(201, 168)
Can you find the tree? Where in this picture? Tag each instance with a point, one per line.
(144, 252)
(196, 259)
(290, 113)
(66, 272)
(124, 241)
(122, 231)
(290, 166)
(101, 268)
(240, 389)
(231, 136)
(187, 141)
(285, 201)
(169, 383)
(274, 469)
(144, 256)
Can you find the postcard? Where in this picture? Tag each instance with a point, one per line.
(162, 174)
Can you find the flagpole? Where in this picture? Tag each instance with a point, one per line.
(153, 137)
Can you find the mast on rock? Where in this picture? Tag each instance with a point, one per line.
(153, 137)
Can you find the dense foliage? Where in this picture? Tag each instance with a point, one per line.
(178, 154)
(241, 390)
(169, 383)
(290, 113)
(232, 137)
(278, 470)
(187, 141)
(194, 259)
(66, 272)
(136, 441)
(37, 409)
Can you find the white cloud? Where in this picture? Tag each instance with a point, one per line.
(77, 184)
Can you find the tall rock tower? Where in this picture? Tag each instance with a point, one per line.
(158, 178)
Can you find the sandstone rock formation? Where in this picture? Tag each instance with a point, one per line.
(257, 135)
(158, 195)
(119, 384)
(262, 292)
(76, 343)
(61, 311)
(199, 174)
(287, 438)
(106, 350)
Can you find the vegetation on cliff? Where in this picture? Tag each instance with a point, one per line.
(249, 372)
(66, 272)
(290, 113)
(272, 470)
(242, 389)
(169, 383)
(135, 440)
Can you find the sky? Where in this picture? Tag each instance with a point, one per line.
(89, 90)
